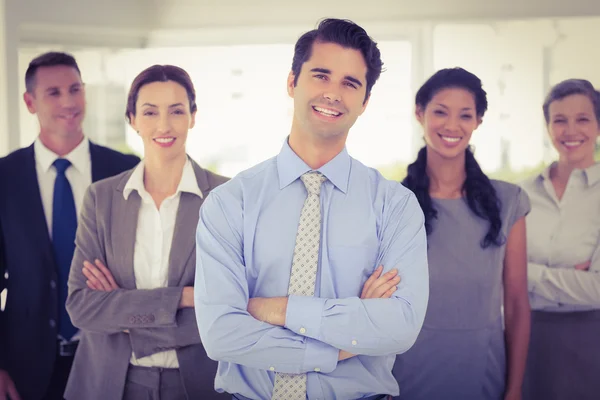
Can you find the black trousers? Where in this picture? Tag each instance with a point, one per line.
(60, 375)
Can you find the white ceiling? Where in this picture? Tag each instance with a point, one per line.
(191, 14)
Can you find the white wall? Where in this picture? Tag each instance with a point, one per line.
(9, 88)
(115, 24)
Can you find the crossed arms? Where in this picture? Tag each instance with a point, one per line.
(155, 319)
(305, 333)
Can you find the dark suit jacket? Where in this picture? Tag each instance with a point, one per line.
(107, 231)
(27, 339)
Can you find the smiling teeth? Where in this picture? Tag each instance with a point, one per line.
(572, 144)
(164, 140)
(450, 139)
(327, 112)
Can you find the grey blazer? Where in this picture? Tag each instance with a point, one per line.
(106, 231)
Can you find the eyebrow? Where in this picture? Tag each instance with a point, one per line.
(347, 77)
(154, 105)
(580, 114)
(463, 109)
(53, 88)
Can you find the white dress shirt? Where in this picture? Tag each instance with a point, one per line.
(79, 174)
(154, 235)
(561, 234)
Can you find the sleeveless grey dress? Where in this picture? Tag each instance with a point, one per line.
(460, 351)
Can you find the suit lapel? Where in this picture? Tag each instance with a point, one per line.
(30, 202)
(124, 220)
(98, 172)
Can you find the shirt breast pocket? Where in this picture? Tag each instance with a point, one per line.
(351, 266)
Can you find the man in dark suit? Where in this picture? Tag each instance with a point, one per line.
(41, 191)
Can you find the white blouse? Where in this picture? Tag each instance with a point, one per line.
(561, 234)
(154, 235)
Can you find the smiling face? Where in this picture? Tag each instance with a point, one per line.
(163, 119)
(448, 121)
(329, 93)
(58, 100)
(573, 129)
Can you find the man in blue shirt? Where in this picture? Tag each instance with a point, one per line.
(284, 250)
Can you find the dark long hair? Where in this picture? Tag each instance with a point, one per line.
(480, 194)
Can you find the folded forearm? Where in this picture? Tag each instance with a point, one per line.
(372, 327)
(147, 341)
(236, 337)
(121, 309)
(564, 285)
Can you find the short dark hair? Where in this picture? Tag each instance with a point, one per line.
(50, 59)
(570, 87)
(453, 78)
(346, 34)
(160, 73)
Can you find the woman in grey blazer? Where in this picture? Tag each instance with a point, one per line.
(131, 281)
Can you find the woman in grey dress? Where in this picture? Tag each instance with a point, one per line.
(564, 252)
(477, 257)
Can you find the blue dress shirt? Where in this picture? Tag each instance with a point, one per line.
(245, 243)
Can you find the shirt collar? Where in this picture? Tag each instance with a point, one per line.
(188, 182)
(290, 167)
(79, 156)
(590, 174)
(593, 174)
(545, 174)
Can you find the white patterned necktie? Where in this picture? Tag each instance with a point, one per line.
(304, 274)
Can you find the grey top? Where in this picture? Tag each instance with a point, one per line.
(460, 352)
(561, 234)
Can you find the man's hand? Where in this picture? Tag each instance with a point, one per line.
(271, 310)
(99, 277)
(376, 287)
(344, 355)
(380, 287)
(7, 387)
(584, 266)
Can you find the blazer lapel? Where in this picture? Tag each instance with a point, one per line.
(124, 220)
(184, 236)
(183, 245)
